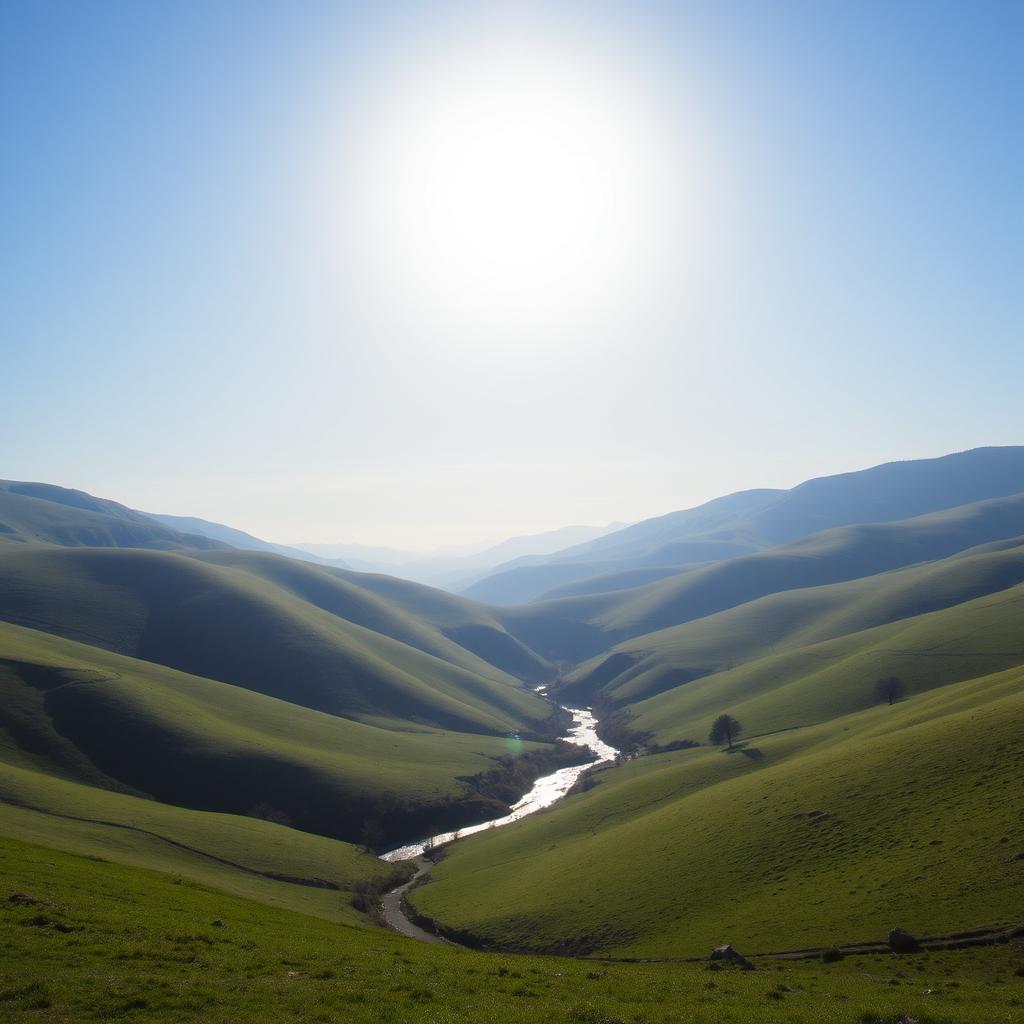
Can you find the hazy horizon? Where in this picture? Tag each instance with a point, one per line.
(472, 545)
(416, 275)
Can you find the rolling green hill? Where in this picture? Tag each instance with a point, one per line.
(247, 856)
(783, 622)
(246, 622)
(593, 623)
(89, 716)
(815, 682)
(470, 625)
(34, 513)
(908, 815)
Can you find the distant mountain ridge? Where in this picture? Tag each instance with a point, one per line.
(453, 569)
(239, 538)
(749, 521)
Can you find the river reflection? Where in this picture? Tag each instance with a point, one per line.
(546, 790)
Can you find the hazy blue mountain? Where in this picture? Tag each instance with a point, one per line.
(454, 568)
(239, 538)
(359, 556)
(750, 521)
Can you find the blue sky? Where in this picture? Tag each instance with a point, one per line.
(188, 326)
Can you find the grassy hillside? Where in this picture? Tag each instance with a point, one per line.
(90, 716)
(470, 625)
(35, 513)
(821, 680)
(909, 815)
(608, 582)
(593, 623)
(783, 622)
(249, 857)
(113, 942)
(837, 818)
(268, 624)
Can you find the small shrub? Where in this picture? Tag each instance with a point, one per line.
(34, 996)
(588, 1015)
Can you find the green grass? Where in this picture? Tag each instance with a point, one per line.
(786, 621)
(119, 943)
(430, 620)
(238, 624)
(649, 664)
(817, 682)
(32, 513)
(244, 856)
(670, 854)
(95, 717)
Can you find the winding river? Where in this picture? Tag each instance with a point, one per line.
(546, 790)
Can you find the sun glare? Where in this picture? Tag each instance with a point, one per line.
(514, 197)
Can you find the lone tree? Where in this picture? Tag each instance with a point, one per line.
(889, 689)
(725, 730)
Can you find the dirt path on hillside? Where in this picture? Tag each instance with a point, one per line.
(394, 913)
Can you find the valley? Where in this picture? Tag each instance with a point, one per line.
(269, 736)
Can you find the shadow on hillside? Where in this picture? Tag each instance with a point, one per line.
(754, 753)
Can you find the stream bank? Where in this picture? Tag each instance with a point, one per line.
(547, 790)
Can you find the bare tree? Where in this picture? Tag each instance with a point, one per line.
(725, 730)
(889, 689)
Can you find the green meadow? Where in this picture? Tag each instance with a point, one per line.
(102, 942)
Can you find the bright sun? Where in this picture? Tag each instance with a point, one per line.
(514, 197)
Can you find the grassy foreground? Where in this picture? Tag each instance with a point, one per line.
(106, 942)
